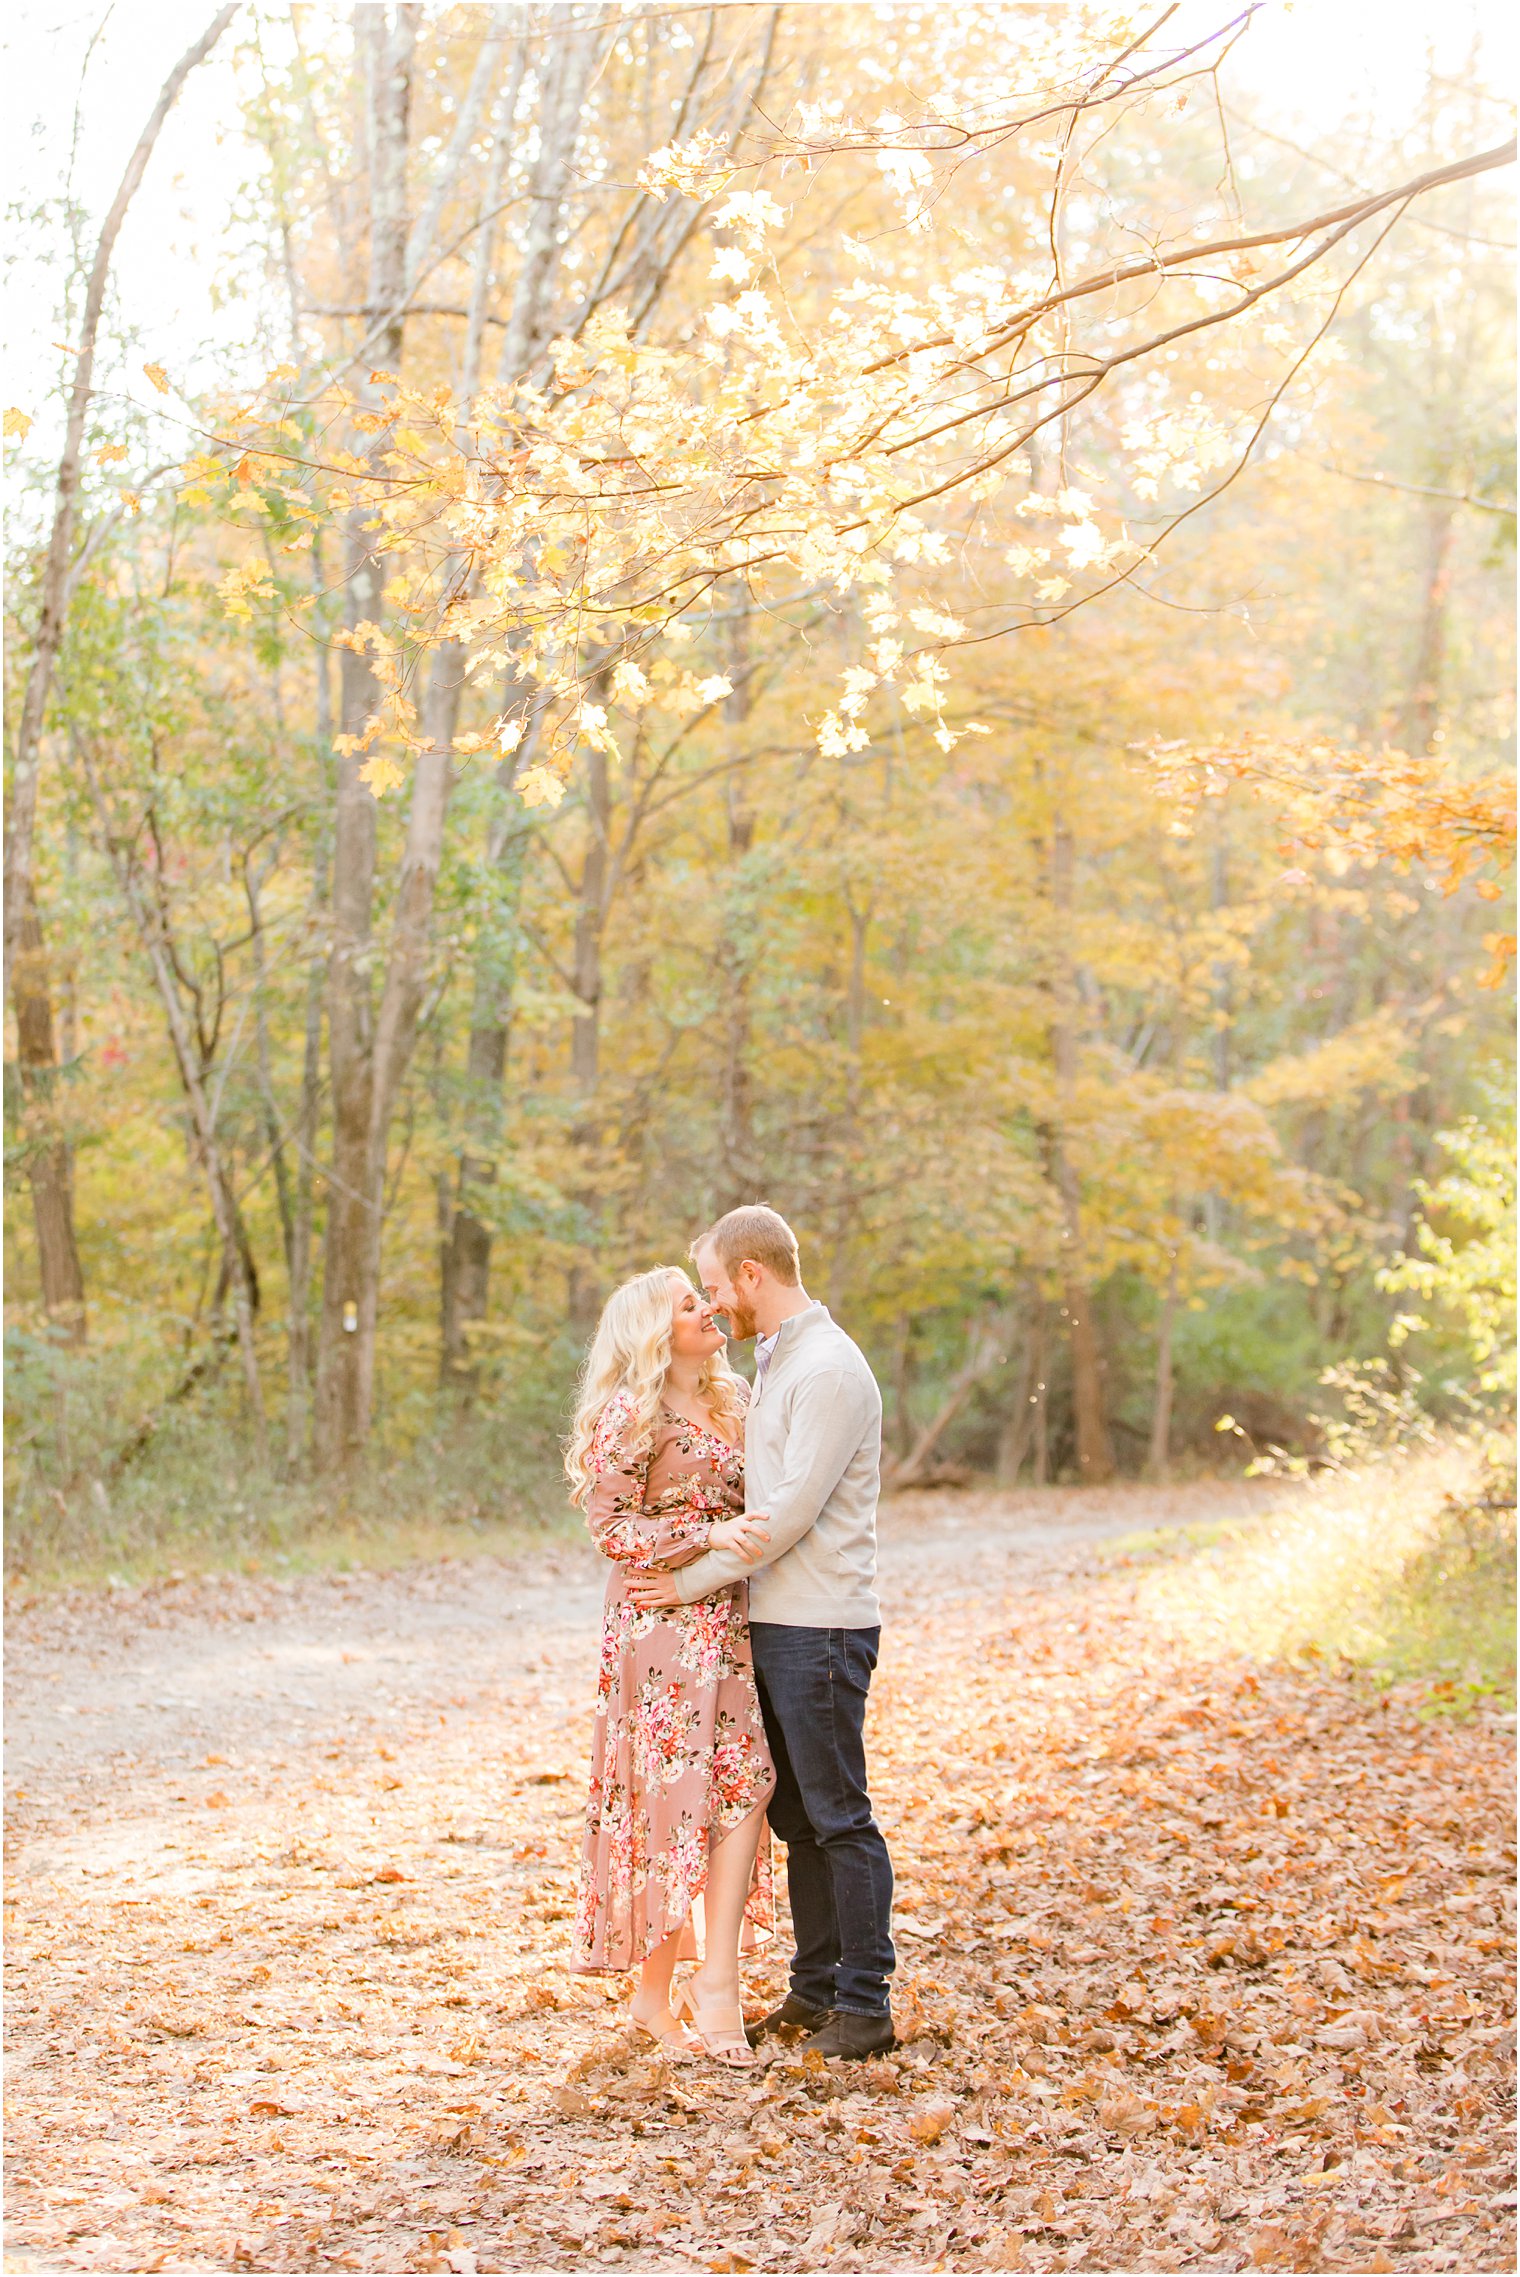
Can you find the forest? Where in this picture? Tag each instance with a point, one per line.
(618, 608)
(905, 612)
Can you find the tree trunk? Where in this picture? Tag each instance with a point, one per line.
(847, 1129)
(1041, 1411)
(1095, 1456)
(345, 1356)
(50, 1169)
(902, 1389)
(346, 1353)
(466, 123)
(1018, 1424)
(411, 934)
(529, 328)
(1161, 1412)
(585, 1031)
(739, 1175)
(465, 1236)
(298, 1320)
(1223, 994)
(298, 1310)
(530, 323)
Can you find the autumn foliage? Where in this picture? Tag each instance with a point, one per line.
(790, 604)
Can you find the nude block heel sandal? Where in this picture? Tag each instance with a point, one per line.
(724, 2042)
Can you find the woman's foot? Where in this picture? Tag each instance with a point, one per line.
(655, 2021)
(717, 2021)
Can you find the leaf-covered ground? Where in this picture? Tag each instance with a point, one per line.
(1203, 1966)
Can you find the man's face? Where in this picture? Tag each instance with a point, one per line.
(730, 1294)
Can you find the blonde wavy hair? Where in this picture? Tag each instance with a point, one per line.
(631, 1352)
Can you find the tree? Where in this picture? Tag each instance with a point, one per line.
(26, 970)
(622, 494)
(1464, 1262)
(363, 1051)
(367, 1077)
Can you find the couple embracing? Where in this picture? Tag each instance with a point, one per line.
(739, 1637)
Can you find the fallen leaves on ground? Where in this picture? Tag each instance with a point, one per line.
(1203, 1966)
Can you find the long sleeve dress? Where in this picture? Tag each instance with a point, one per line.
(678, 1753)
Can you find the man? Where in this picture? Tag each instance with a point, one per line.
(812, 1454)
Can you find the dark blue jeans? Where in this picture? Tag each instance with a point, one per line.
(813, 1685)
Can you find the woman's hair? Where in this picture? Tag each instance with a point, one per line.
(631, 1352)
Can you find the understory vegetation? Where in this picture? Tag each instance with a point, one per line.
(1403, 1567)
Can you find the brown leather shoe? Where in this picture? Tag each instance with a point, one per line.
(848, 2034)
(791, 2021)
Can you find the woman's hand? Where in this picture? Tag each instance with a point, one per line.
(747, 1536)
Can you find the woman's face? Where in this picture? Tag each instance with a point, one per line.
(694, 1334)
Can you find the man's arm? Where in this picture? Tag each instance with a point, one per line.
(830, 1412)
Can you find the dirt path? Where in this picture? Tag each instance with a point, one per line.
(291, 1869)
(157, 1677)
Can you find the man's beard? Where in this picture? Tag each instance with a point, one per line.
(742, 1324)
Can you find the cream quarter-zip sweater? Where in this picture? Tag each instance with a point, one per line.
(812, 1463)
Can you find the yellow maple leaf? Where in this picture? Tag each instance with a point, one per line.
(158, 376)
(240, 588)
(110, 453)
(132, 501)
(17, 423)
(381, 774)
(540, 786)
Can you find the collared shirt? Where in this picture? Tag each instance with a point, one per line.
(765, 1345)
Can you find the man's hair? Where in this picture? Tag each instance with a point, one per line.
(758, 1233)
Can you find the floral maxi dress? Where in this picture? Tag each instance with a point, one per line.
(678, 1751)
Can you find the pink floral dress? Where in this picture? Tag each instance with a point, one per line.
(678, 1752)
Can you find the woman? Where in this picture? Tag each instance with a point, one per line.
(680, 1771)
